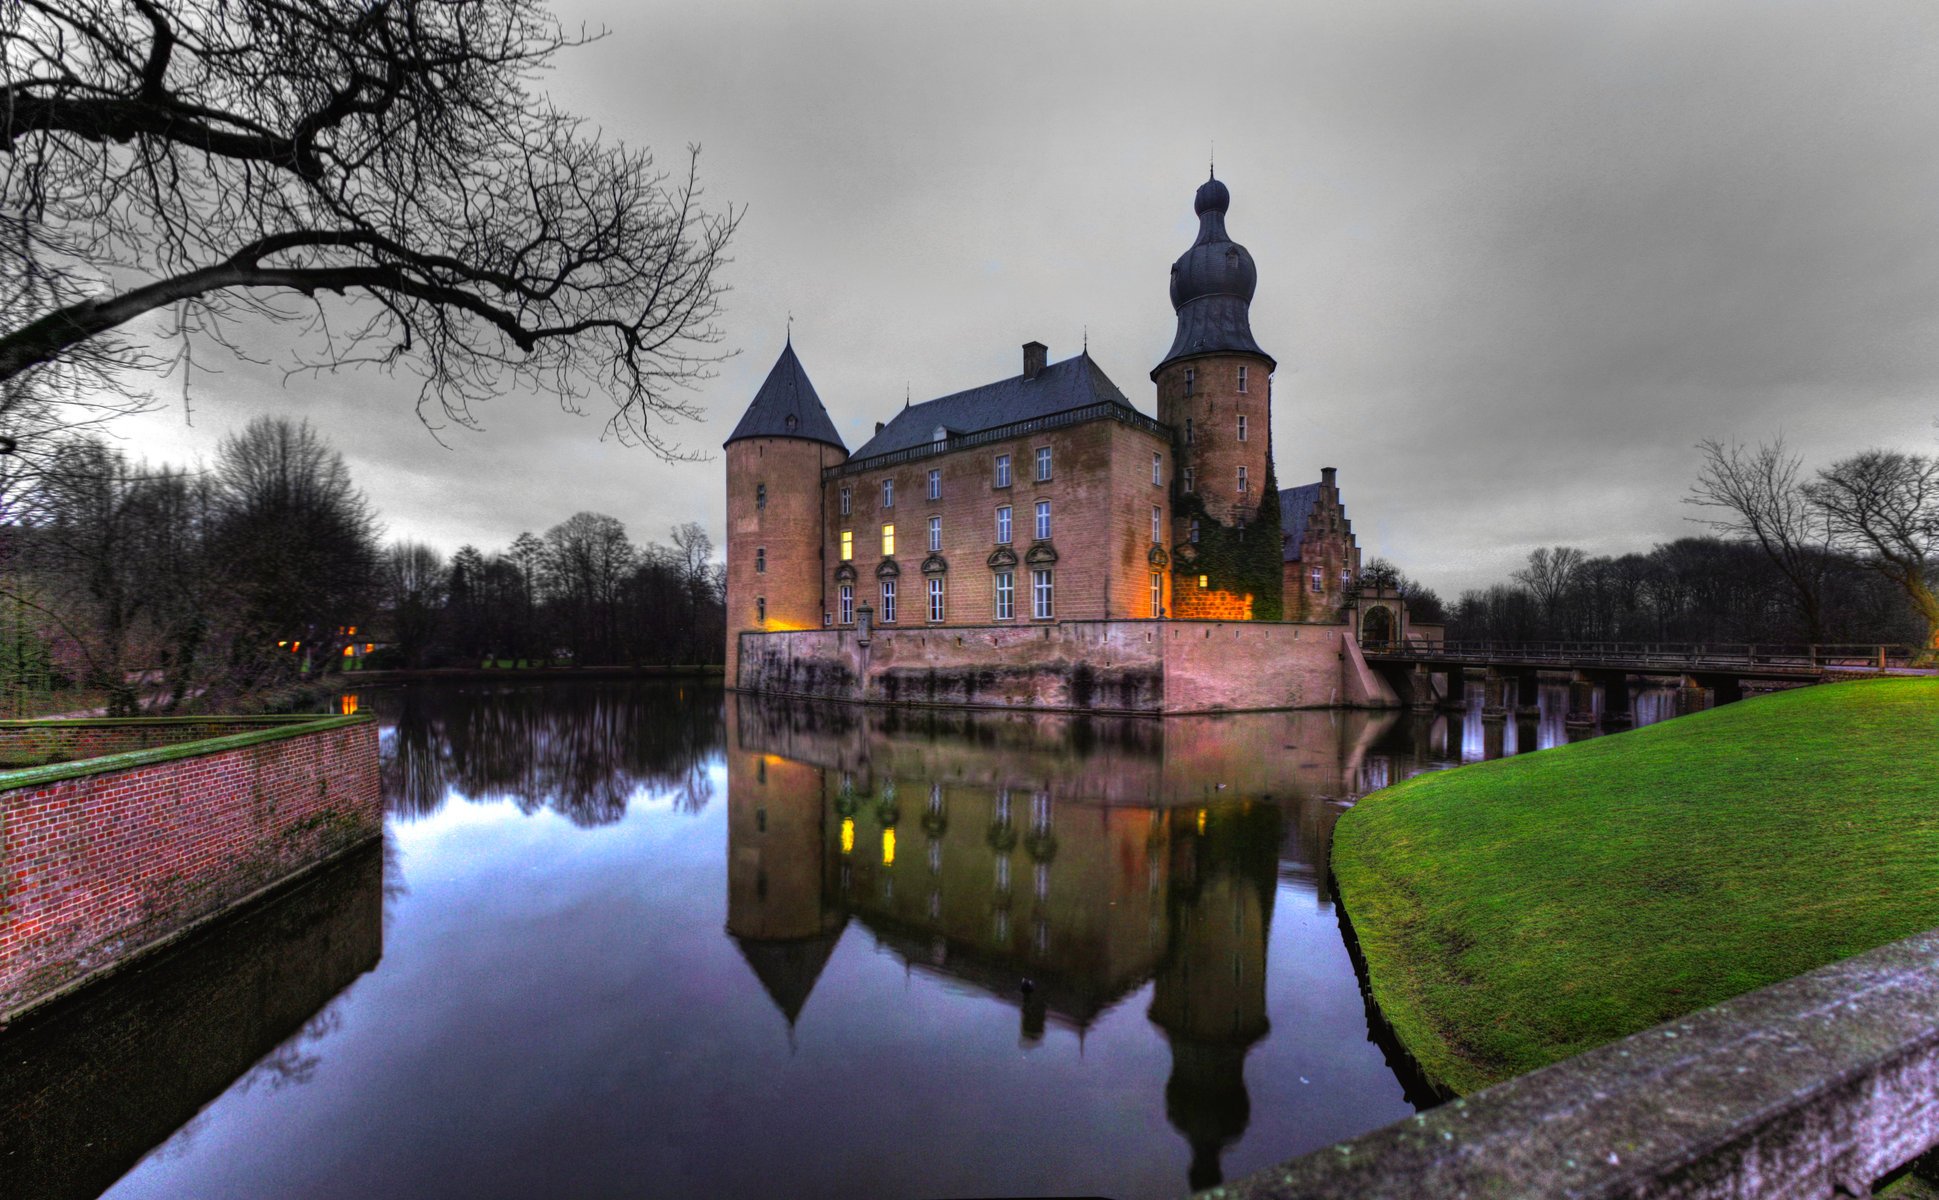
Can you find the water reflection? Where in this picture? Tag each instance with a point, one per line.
(581, 752)
(93, 1083)
(1055, 863)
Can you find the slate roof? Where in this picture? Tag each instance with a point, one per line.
(788, 969)
(1059, 387)
(1295, 510)
(787, 406)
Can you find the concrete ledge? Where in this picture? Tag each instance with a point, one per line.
(1828, 1080)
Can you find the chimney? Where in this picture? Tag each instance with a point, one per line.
(1034, 354)
(880, 426)
(1326, 478)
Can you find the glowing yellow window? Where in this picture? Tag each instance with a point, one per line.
(1203, 581)
(888, 541)
(848, 545)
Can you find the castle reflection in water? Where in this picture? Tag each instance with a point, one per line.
(1056, 863)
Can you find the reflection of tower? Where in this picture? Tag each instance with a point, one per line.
(1210, 997)
(775, 458)
(774, 874)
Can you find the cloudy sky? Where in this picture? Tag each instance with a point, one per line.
(1514, 258)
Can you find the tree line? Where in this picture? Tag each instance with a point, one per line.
(1848, 553)
(139, 588)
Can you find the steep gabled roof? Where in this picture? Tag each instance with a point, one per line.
(1074, 383)
(787, 406)
(1295, 511)
(788, 969)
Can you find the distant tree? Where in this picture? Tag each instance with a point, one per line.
(588, 558)
(381, 172)
(1760, 495)
(412, 584)
(1884, 505)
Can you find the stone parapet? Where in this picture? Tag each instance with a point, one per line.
(1818, 1085)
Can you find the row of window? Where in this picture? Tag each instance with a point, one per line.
(1043, 588)
(1003, 534)
(1191, 380)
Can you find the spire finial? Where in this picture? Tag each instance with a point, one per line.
(1211, 160)
(905, 393)
(1087, 341)
(791, 327)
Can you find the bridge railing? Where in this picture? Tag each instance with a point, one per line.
(1694, 655)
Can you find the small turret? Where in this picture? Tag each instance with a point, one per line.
(775, 457)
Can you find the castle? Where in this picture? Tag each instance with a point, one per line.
(1046, 500)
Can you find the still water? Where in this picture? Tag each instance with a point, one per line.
(650, 940)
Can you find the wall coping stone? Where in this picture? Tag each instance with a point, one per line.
(1829, 1079)
(275, 728)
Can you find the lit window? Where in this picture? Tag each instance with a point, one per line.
(760, 495)
(1003, 525)
(1040, 595)
(888, 601)
(1204, 581)
(1157, 470)
(1191, 378)
(888, 541)
(935, 485)
(1157, 523)
(1242, 427)
(888, 493)
(1043, 520)
(760, 560)
(936, 598)
(1157, 594)
(1242, 387)
(1188, 479)
(1006, 594)
(1003, 470)
(848, 501)
(1318, 579)
(848, 604)
(935, 533)
(848, 545)
(1242, 481)
(760, 608)
(1043, 463)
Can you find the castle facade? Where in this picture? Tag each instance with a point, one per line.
(1043, 499)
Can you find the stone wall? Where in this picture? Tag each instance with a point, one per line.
(100, 858)
(1149, 667)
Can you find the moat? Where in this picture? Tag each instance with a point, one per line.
(648, 939)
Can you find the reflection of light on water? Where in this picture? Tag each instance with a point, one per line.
(848, 835)
(888, 847)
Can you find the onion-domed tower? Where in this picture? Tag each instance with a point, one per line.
(775, 458)
(1215, 392)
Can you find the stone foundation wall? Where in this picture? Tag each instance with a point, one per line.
(1150, 667)
(102, 857)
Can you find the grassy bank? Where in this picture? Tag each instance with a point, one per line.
(1516, 912)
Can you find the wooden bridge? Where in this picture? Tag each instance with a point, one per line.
(1599, 673)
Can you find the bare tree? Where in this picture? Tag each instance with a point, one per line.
(380, 172)
(1548, 576)
(411, 586)
(1884, 505)
(1760, 495)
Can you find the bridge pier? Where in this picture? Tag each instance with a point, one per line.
(1689, 696)
(1456, 695)
(1582, 700)
(1617, 712)
(1419, 688)
(1497, 695)
(1727, 689)
(1528, 692)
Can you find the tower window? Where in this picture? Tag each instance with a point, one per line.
(848, 604)
(1043, 464)
(1188, 479)
(1157, 470)
(1191, 379)
(760, 495)
(1242, 382)
(1319, 579)
(848, 502)
(1043, 520)
(1188, 431)
(1006, 595)
(888, 493)
(888, 541)
(935, 485)
(1242, 481)
(1194, 531)
(1002, 470)
(1040, 594)
(935, 597)
(1157, 520)
(935, 533)
(1157, 594)
(760, 560)
(1003, 525)
(760, 608)
(848, 545)
(1242, 423)
(888, 601)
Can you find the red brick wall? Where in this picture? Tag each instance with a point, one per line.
(34, 743)
(93, 868)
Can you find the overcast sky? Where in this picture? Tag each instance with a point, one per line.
(1514, 258)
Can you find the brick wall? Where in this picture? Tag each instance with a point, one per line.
(97, 864)
(1113, 666)
(35, 743)
(774, 526)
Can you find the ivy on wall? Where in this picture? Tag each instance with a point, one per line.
(1240, 561)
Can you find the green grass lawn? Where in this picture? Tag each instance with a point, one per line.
(1516, 912)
